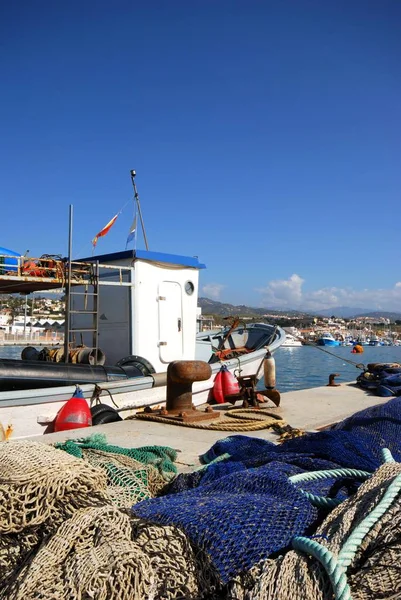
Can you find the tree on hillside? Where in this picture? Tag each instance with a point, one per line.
(14, 305)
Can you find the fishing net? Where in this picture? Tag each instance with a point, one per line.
(244, 509)
(133, 474)
(40, 487)
(374, 571)
(104, 553)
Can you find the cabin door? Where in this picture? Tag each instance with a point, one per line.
(170, 322)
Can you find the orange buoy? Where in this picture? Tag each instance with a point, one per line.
(74, 414)
(357, 349)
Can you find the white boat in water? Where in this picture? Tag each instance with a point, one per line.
(291, 342)
(136, 308)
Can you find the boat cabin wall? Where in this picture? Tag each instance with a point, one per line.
(165, 305)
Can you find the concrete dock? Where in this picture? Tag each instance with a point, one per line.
(310, 409)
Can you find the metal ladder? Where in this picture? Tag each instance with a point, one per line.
(89, 272)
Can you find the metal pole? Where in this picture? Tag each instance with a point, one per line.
(133, 174)
(25, 311)
(67, 322)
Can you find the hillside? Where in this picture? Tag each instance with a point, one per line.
(212, 307)
(223, 309)
(347, 312)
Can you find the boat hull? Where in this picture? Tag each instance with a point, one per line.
(31, 412)
(325, 342)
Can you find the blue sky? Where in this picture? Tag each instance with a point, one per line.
(265, 135)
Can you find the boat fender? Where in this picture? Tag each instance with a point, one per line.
(103, 413)
(230, 383)
(269, 371)
(29, 353)
(144, 366)
(217, 392)
(74, 414)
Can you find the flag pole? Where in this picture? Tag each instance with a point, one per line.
(133, 174)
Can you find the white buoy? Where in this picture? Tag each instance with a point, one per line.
(269, 370)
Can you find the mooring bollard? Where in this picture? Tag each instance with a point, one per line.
(181, 374)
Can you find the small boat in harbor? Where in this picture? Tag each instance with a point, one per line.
(291, 342)
(327, 339)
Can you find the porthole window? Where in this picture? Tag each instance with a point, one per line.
(189, 288)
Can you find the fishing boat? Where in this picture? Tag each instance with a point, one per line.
(128, 316)
(327, 339)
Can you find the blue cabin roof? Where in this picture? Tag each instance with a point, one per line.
(161, 257)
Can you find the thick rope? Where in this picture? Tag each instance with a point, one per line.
(336, 567)
(322, 501)
(334, 570)
(351, 546)
(262, 419)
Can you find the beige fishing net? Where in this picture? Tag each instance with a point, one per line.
(62, 536)
(103, 553)
(374, 572)
(40, 487)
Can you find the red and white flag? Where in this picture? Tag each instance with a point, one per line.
(105, 230)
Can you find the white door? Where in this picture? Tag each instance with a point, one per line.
(170, 322)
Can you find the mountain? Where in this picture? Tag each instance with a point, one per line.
(347, 312)
(223, 309)
(212, 307)
(343, 312)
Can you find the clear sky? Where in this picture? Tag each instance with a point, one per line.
(266, 137)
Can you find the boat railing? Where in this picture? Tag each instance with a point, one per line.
(24, 274)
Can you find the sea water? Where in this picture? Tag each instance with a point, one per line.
(305, 366)
(309, 366)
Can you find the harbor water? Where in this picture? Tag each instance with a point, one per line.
(305, 366)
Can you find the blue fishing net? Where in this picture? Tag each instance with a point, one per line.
(245, 509)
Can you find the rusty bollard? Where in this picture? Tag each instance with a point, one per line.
(181, 374)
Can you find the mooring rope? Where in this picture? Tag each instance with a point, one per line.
(261, 419)
(351, 362)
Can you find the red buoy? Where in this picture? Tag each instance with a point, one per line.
(74, 414)
(216, 393)
(230, 383)
(225, 384)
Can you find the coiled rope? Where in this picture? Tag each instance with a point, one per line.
(336, 566)
(260, 419)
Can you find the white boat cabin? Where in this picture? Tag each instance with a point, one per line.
(146, 306)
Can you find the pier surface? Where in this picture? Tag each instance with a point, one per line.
(309, 409)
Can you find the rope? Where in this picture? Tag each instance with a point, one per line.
(351, 546)
(351, 362)
(387, 456)
(336, 567)
(329, 473)
(337, 575)
(262, 419)
(322, 501)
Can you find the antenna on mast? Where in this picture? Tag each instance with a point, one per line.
(133, 175)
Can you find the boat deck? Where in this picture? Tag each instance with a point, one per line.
(309, 409)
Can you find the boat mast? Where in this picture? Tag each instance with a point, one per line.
(133, 174)
(68, 290)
